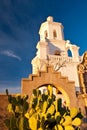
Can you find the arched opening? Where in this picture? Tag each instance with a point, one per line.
(58, 92)
(46, 34)
(69, 53)
(57, 52)
(54, 34)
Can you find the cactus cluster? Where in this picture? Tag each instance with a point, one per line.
(17, 108)
(45, 113)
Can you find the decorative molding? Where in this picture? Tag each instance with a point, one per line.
(82, 72)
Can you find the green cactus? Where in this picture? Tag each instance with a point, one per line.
(48, 113)
(45, 113)
(17, 106)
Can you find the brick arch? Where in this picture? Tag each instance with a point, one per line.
(50, 77)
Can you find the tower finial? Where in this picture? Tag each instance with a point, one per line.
(50, 18)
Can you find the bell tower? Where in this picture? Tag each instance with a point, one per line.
(51, 30)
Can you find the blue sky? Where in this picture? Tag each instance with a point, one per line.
(20, 21)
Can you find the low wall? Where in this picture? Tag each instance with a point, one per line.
(3, 111)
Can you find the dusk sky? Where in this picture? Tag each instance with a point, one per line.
(20, 21)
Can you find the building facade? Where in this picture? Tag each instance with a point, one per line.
(57, 62)
(54, 49)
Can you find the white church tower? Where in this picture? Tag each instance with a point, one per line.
(53, 50)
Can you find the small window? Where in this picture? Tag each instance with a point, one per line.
(54, 34)
(57, 52)
(46, 34)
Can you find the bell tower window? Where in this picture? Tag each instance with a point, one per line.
(46, 34)
(54, 34)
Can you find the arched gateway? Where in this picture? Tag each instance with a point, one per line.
(61, 83)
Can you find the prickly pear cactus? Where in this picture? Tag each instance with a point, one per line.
(17, 107)
(46, 113)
